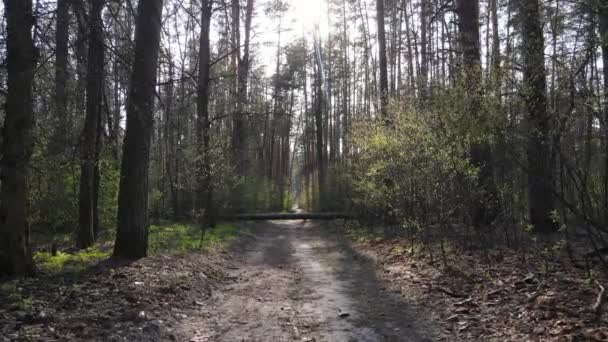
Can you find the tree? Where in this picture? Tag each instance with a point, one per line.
(484, 210)
(15, 255)
(534, 93)
(319, 101)
(382, 59)
(204, 193)
(132, 233)
(59, 142)
(88, 219)
(603, 20)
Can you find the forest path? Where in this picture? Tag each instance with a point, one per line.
(299, 281)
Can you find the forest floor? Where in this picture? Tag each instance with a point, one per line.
(305, 281)
(300, 281)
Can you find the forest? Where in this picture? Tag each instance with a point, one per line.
(463, 141)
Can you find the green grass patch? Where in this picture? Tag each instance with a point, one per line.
(75, 262)
(169, 238)
(184, 237)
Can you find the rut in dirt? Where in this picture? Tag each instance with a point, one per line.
(300, 281)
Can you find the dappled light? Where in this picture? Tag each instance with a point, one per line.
(304, 170)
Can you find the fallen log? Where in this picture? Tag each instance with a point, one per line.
(289, 216)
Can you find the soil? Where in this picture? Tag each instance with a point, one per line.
(306, 281)
(299, 281)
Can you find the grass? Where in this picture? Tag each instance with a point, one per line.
(70, 262)
(168, 238)
(180, 237)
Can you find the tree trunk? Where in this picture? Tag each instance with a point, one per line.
(15, 255)
(319, 122)
(204, 194)
(132, 233)
(424, 64)
(603, 12)
(382, 60)
(59, 143)
(238, 132)
(484, 210)
(496, 59)
(87, 202)
(540, 175)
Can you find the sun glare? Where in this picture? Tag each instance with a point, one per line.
(310, 13)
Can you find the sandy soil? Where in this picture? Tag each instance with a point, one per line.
(299, 281)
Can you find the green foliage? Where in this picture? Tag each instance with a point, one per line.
(66, 262)
(179, 238)
(413, 171)
(54, 190)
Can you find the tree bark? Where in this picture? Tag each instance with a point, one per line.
(540, 175)
(59, 143)
(319, 122)
(484, 210)
(382, 60)
(87, 202)
(15, 255)
(132, 233)
(204, 194)
(424, 64)
(603, 21)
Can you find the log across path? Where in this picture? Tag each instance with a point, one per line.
(291, 216)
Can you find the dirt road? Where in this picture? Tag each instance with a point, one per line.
(298, 281)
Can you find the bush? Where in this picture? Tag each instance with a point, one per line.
(411, 173)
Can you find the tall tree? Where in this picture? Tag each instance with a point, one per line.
(319, 120)
(204, 194)
(61, 129)
(132, 233)
(423, 76)
(237, 117)
(239, 137)
(382, 59)
(603, 21)
(540, 173)
(88, 219)
(481, 154)
(15, 255)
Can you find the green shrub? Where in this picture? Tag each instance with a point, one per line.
(70, 262)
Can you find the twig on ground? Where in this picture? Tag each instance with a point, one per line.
(450, 293)
(597, 306)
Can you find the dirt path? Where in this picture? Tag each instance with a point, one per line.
(297, 281)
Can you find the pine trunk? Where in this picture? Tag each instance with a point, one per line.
(15, 255)
(132, 233)
(87, 202)
(540, 175)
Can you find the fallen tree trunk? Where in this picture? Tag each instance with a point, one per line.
(289, 216)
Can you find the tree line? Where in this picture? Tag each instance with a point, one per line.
(411, 113)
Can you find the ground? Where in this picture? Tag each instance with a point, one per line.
(298, 281)
(305, 281)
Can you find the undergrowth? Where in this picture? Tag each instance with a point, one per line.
(167, 238)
